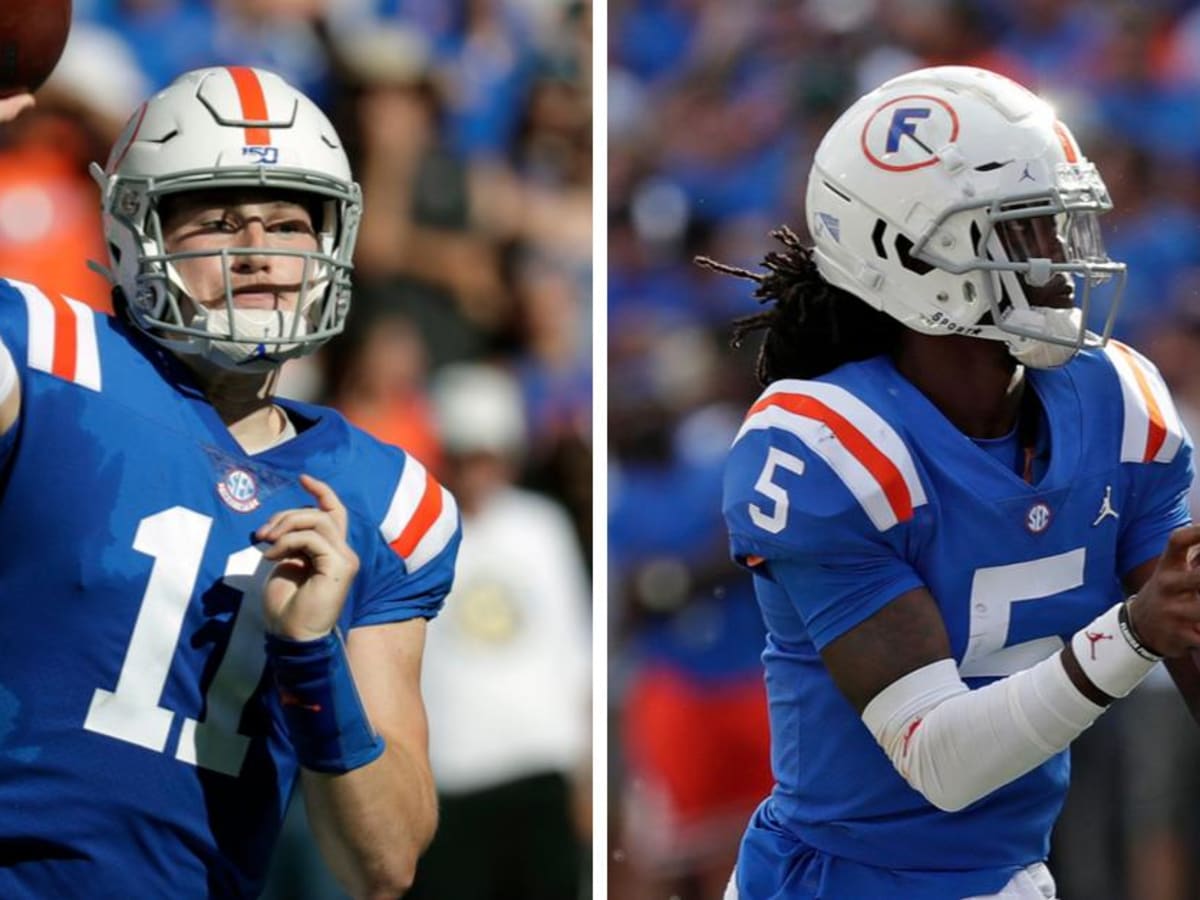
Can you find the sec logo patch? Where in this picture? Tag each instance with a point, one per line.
(1037, 519)
(905, 133)
(239, 490)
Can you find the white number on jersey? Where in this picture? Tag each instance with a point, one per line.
(775, 521)
(176, 539)
(994, 590)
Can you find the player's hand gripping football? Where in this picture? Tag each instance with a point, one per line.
(1166, 611)
(314, 566)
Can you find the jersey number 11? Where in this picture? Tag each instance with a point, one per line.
(176, 539)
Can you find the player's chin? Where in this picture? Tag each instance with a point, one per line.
(280, 302)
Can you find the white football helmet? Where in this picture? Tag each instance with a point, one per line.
(923, 198)
(223, 128)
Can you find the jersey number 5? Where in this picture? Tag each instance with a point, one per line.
(994, 590)
(776, 519)
(176, 540)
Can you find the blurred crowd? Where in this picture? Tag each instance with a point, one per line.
(468, 124)
(714, 111)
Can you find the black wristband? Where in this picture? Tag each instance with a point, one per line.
(1140, 647)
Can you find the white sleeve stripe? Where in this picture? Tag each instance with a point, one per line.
(73, 356)
(872, 426)
(406, 499)
(408, 502)
(1152, 430)
(41, 327)
(816, 436)
(438, 535)
(87, 365)
(865, 451)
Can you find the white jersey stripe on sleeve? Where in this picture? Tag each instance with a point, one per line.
(62, 337)
(853, 473)
(866, 453)
(405, 500)
(87, 366)
(438, 535)
(1152, 431)
(422, 517)
(41, 327)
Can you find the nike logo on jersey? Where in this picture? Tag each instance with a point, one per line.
(1106, 507)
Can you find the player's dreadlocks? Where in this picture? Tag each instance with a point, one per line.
(813, 327)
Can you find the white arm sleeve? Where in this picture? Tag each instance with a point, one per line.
(955, 745)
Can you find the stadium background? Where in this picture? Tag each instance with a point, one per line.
(714, 110)
(468, 124)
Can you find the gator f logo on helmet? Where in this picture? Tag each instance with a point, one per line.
(930, 176)
(901, 135)
(220, 128)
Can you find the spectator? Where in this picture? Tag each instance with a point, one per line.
(509, 696)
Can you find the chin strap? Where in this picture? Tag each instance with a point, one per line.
(1063, 324)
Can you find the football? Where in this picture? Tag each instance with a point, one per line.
(32, 37)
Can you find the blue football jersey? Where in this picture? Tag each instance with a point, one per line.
(842, 493)
(141, 753)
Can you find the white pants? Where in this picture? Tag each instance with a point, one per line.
(1031, 883)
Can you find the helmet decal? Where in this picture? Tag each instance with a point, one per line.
(830, 224)
(905, 133)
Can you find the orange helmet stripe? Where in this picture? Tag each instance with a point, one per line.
(254, 103)
(1068, 142)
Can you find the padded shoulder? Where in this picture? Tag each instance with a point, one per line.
(1151, 430)
(47, 332)
(388, 487)
(812, 452)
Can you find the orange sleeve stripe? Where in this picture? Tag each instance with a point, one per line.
(1157, 432)
(882, 469)
(254, 103)
(426, 514)
(66, 338)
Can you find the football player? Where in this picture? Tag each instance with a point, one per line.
(209, 593)
(964, 512)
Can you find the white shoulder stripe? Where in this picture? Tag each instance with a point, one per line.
(407, 496)
(853, 473)
(41, 327)
(421, 518)
(865, 452)
(1152, 431)
(87, 364)
(438, 535)
(62, 337)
